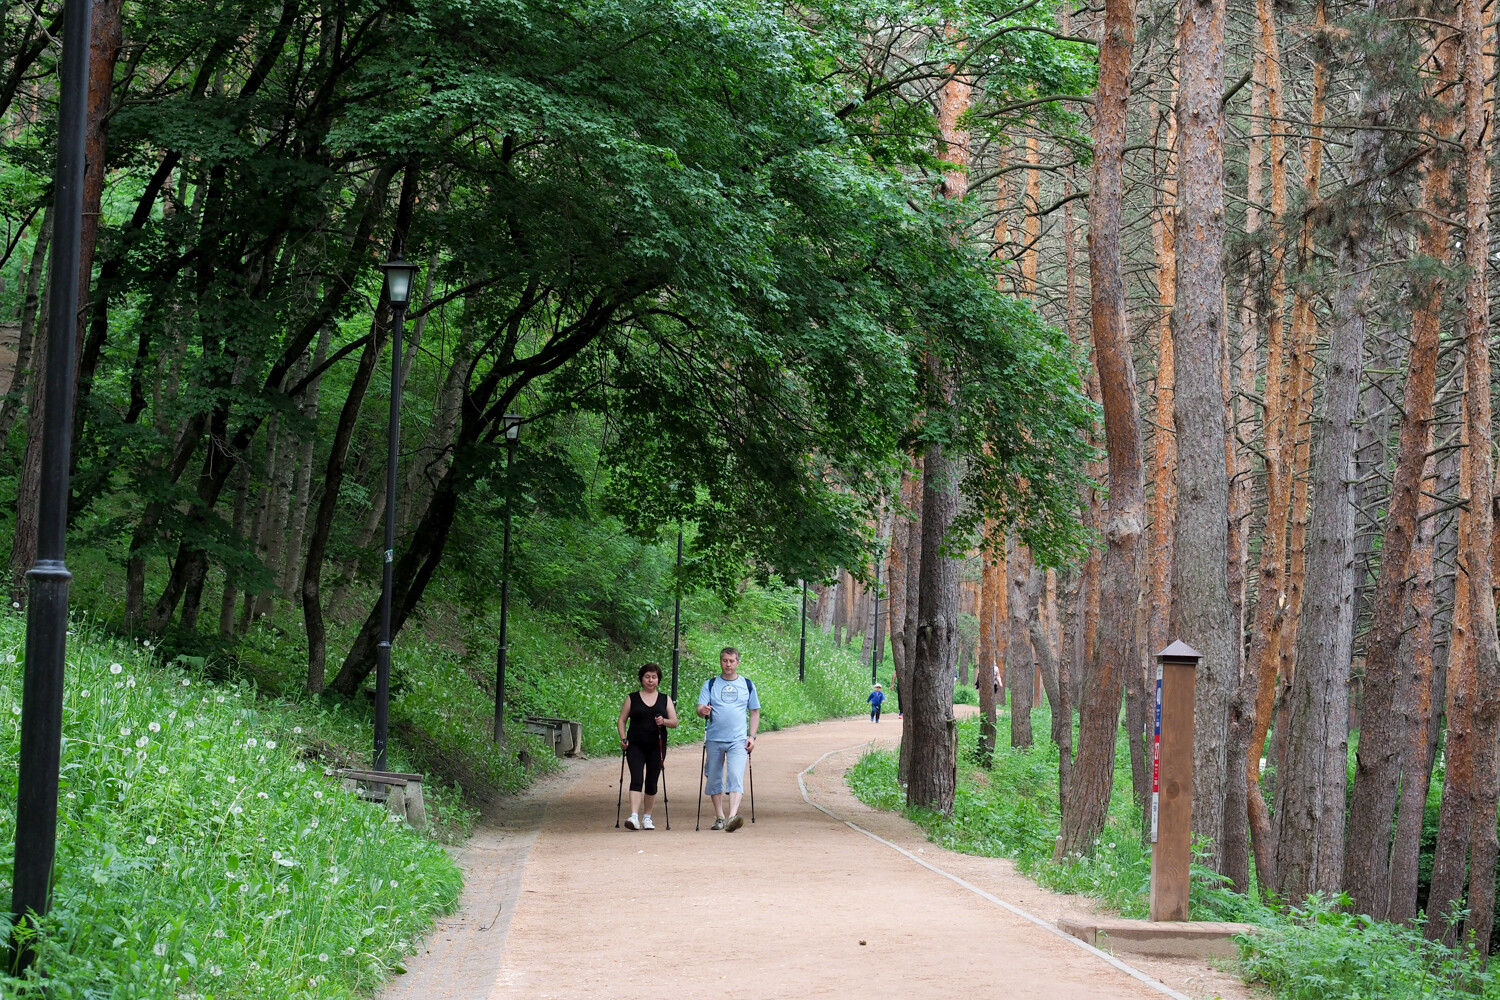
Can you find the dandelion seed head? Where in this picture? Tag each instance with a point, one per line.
(116, 668)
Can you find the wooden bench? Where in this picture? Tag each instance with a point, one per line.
(563, 735)
(401, 793)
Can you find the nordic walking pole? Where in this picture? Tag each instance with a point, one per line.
(702, 769)
(665, 802)
(621, 796)
(750, 766)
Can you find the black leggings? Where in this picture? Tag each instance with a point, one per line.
(643, 760)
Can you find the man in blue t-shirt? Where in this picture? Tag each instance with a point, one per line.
(732, 708)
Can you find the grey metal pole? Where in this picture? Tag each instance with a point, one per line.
(501, 653)
(677, 618)
(802, 653)
(393, 453)
(48, 579)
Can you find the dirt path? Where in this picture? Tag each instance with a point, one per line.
(561, 904)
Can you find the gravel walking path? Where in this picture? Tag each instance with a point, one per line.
(560, 904)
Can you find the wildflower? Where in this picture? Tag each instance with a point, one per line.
(270, 744)
(318, 794)
(394, 883)
(230, 779)
(186, 682)
(147, 643)
(72, 796)
(130, 682)
(219, 699)
(275, 855)
(349, 950)
(219, 933)
(254, 966)
(115, 668)
(155, 727)
(15, 710)
(261, 795)
(160, 949)
(10, 657)
(161, 769)
(327, 772)
(250, 742)
(151, 839)
(297, 729)
(16, 605)
(143, 741)
(244, 887)
(125, 731)
(215, 970)
(189, 723)
(314, 823)
(119, 684)
(84, 692)
(172, 714)
(236, 810)
(322, 956)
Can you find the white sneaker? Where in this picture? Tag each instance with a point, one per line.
(632, 823)
(646, 823)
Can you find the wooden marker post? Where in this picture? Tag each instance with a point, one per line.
(1172, 781)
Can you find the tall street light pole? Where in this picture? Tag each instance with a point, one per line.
(875, 641)
(398, 282)
(48, 579)
(677, 617)
(512, 425)
(802, 654)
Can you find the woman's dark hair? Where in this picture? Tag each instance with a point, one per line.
(640, 675)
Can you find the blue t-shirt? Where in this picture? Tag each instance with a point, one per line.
(732, 701)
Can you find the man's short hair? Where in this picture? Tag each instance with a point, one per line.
(729, 651)
(648, 668)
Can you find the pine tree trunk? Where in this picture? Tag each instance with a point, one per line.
(991, 581)
(105, 36)
(1391, 689)
(1114, 644)
(931, 775)
(913, 595)
(291, 569)
(1484, 845)
(1052, 680)
(1422, 723)
(1201, 600)
(231, 575)
(1020, 663)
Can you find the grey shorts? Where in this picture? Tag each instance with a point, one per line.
(725, 768)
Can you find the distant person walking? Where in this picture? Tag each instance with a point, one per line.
(876, 699)
(650, 714)
(732, 708)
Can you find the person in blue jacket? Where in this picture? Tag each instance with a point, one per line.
(876, 699)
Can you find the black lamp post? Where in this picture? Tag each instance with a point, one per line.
(398, 282)
(48, 579)
(512, 425)
(677, 616)
(875, 642)
(802, 654)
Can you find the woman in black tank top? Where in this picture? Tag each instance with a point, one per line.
(650, 713)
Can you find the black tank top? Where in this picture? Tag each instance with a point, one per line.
(643, 730)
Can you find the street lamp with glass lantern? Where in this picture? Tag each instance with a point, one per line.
(398, 281)
(512, 426)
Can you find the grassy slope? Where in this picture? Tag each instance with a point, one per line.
(1315, 953)
(203, 851)
(212, 856)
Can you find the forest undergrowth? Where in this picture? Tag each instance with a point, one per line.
(1318, 951)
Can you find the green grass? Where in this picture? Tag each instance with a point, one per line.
(203, 847)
